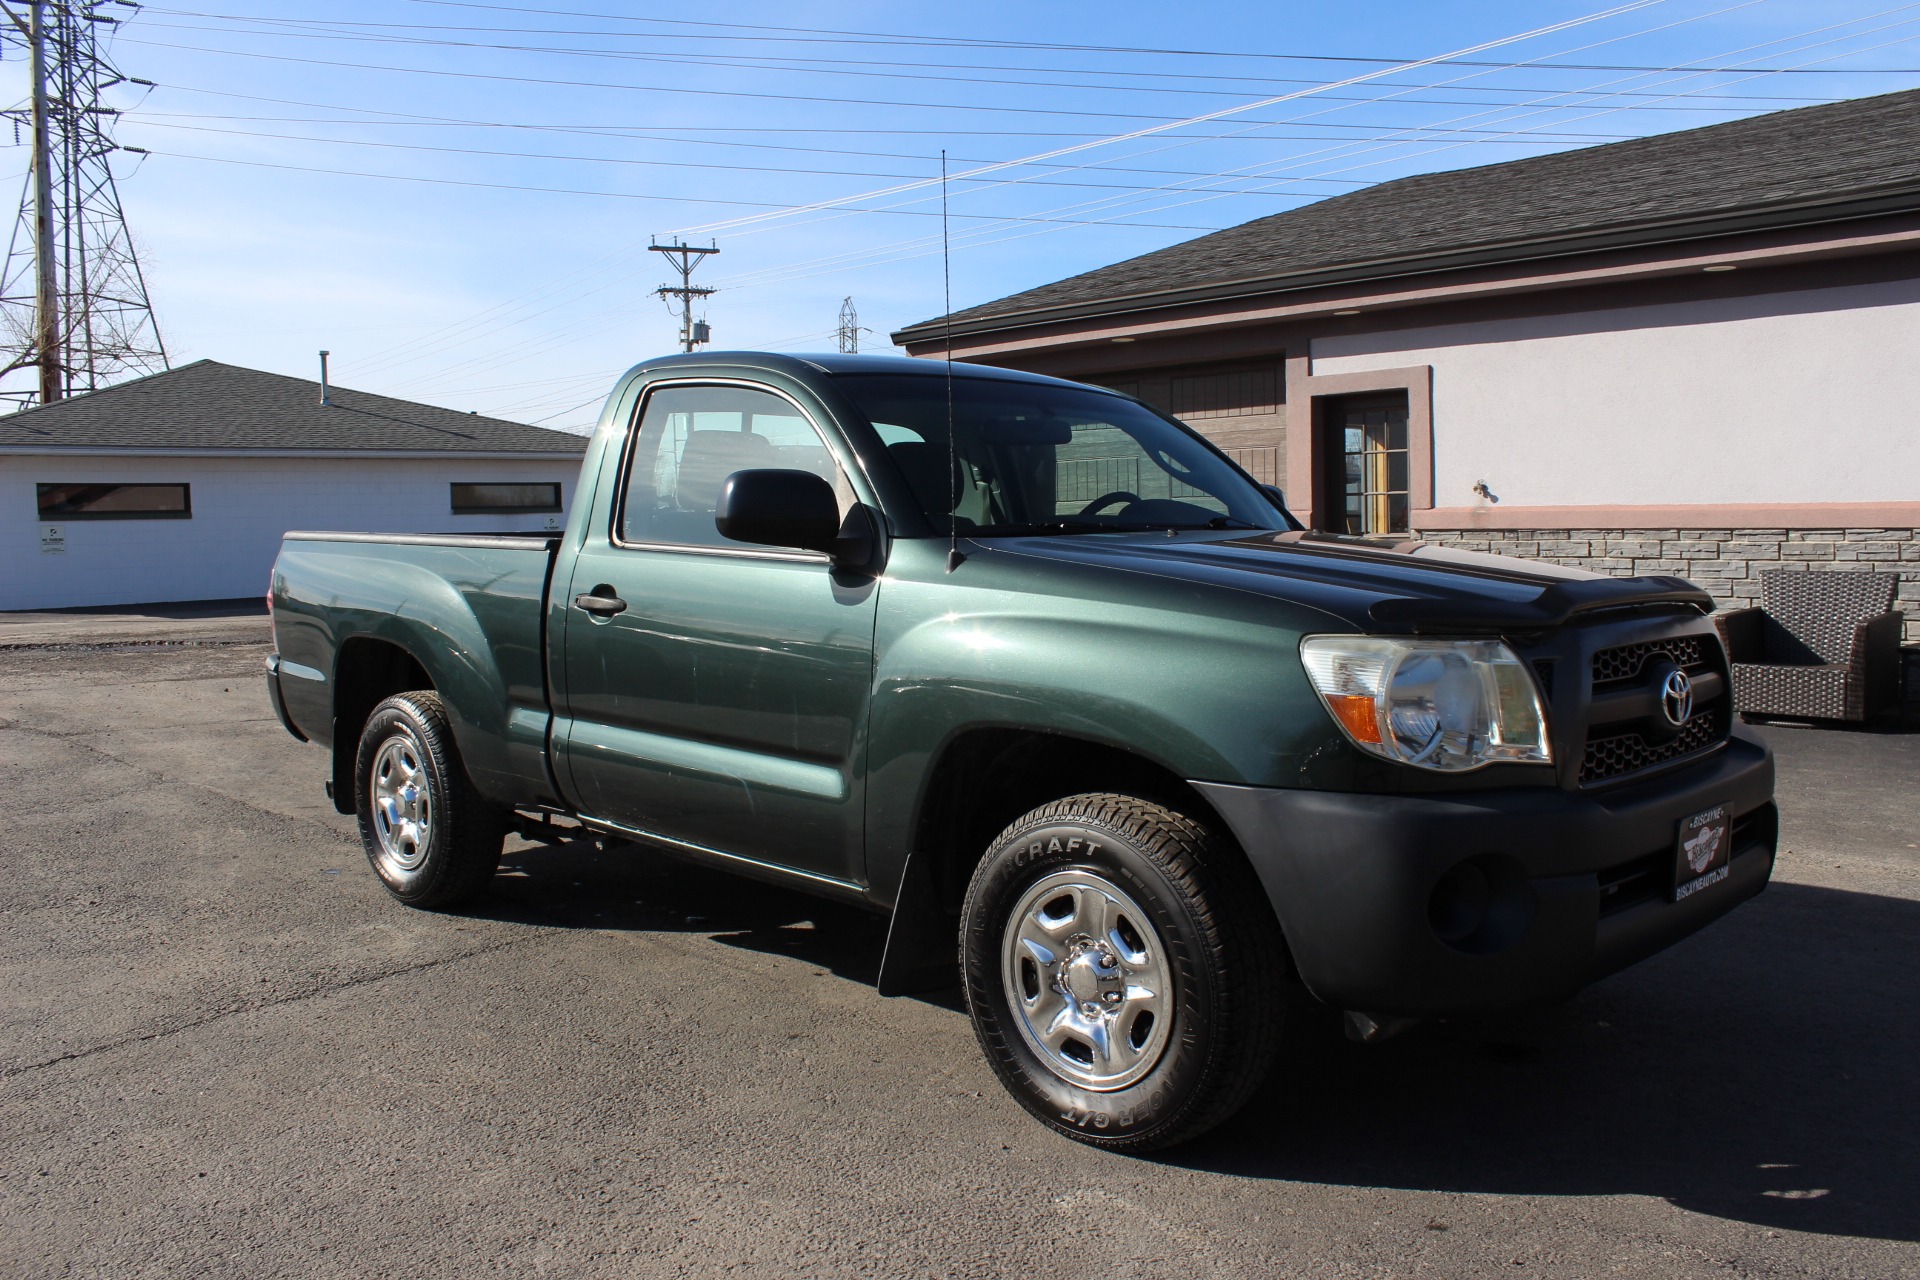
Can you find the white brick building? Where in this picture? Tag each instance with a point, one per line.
(178, 486)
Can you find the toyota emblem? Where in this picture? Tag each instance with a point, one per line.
(1676, 697)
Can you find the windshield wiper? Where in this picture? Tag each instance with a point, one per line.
(1218, 522)
(1055, 526)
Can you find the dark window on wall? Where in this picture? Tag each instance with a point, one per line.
(114, 501)
(1365, 466)
(494, 499)
(1238, 393)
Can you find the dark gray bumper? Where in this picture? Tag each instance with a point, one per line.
(1559, 889)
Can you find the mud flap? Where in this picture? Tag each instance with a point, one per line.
(923, 938)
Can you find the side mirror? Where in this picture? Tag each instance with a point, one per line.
(1280, 501)
(781, 508)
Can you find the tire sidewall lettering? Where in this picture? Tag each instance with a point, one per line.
(1070, 849)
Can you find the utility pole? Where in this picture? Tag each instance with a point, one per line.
(46, 308)
(84, 320)
(685, 258)
(849, 328)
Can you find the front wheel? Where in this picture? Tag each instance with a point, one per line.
(432, 839)
(1123, 973)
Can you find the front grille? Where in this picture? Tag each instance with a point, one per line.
(1625, 662)
(1617, 748)
(1620, 754)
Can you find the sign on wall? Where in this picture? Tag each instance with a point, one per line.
(53, 540)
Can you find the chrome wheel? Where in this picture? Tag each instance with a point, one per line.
(1087, 980)
(402, 804)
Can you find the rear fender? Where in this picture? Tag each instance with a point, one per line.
(500, 725)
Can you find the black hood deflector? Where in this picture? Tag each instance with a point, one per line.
(1553, 607)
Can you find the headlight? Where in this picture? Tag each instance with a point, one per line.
(1449, 705)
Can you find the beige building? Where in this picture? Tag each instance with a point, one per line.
(1697, 353)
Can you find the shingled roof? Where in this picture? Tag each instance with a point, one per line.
(222, 408)
(1786, 168)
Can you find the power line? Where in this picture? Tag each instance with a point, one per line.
(612, 195)
(1208, 117)
(1555, 140)
(813, 34)
(684, 90)
(842, 67)
(279, 25)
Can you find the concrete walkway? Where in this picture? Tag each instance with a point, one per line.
(195, 622)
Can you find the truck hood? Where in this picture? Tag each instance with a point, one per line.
(1402, 588)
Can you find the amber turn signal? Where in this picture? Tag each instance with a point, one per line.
(1357, 715)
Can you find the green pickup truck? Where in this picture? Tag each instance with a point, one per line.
(1036, 670)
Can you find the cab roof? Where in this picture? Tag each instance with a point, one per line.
(837, 364)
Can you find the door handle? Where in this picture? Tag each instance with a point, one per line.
(604, 606)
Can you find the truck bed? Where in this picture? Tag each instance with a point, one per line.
(470, 607)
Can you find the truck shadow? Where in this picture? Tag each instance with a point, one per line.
(1767, 1070)
(633, 888)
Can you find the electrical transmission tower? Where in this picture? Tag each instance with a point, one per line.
(685, 258)
(73, 303)
(850, 329)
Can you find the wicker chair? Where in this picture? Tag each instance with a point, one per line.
(1823, 645)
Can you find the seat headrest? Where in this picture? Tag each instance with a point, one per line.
(709, 458)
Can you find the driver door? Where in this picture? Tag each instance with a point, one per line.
(725, 707)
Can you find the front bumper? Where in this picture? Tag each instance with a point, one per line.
(1562, 887)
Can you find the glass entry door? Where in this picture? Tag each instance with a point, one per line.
(1368, 464)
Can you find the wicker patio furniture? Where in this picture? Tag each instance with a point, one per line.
(1822, 645)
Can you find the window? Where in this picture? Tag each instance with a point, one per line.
(692, 438)
(1235, 394)
(496, 499)
(1368, 487)
(1025, 457)
(114, 501)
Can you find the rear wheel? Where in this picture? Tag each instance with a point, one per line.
(1123, 973)
(432, 839)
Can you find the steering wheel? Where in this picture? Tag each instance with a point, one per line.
(1108, 499)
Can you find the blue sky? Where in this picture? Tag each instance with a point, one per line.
(456, 198)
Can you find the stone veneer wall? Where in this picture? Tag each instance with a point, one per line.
(1726, 562)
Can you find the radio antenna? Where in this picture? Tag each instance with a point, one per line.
(953, 448)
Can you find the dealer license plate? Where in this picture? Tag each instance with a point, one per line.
(1702, 851)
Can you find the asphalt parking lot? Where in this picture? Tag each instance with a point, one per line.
(227, 1052)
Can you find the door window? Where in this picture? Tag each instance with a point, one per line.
(692, 438)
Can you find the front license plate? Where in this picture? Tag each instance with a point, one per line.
(1702, 851)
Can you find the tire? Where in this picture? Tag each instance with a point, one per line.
(431, 838)
(1156, 928)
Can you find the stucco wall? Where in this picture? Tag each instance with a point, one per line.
(1802, 397)
(241, 506)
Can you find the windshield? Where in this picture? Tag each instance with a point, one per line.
(1031, 458)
